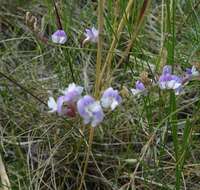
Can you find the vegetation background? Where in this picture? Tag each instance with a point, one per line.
(150, 142)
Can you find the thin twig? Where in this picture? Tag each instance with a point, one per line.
(58, 20)
(22, 87)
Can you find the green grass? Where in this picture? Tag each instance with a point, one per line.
(148, 142)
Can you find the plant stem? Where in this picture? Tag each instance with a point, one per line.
(87, 156)
(116, 36)
(97, 83)
(170, 45)
(99, 49)
(58, 20)
(22, 87)
(135, 30)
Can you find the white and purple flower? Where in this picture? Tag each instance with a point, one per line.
(90, 110)
(91, 35)
(71, 95)
(73, 92)
(192, 72)
(59, 37)
(111, 98)
(139, 87)
(169, 81)
(167, 69)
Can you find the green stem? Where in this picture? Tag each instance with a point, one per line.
(170, 45)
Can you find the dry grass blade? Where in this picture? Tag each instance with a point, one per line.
(4, 177)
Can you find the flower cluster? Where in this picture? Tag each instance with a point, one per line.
(71, 102)
(139, 88)
(59, 37)
(167, 81)
(192, 72)
(91, 35)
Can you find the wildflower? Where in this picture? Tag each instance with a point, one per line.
(190, 72)
(111, 98)
(169, 81)
(91, 35)
(71, 95)
(139, 87)
(167, 69)
(52, 104)
(73, 92)
(59, 37)
(90, 110)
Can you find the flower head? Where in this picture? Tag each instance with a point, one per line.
(111, 98)
(190, 72)
(139, 87)
(90, 110)
(70, 96)
(167, 69)
(91, 35)
(59, 37)
(169, 81)
(73, 92)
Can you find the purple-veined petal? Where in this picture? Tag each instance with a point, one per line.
(139, 85)
(111, 98)
(91, 35)
(90, 110)
(167, 69)
(59, 37)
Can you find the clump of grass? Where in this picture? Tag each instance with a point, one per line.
(149, 142)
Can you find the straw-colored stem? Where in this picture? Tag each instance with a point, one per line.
(131, 41)
(99, 48)
(97, 83)
(125, 17)
(117, 35)
(4, 177)
(135, 32)
(87, 156)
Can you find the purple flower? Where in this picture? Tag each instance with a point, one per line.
(73, 92)
(91, 35)
(190, 72)
(71, 95)
(139, 87)
(90, 110)
(111, 98)
(59, 37)
(167, 69)
(169, 81)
